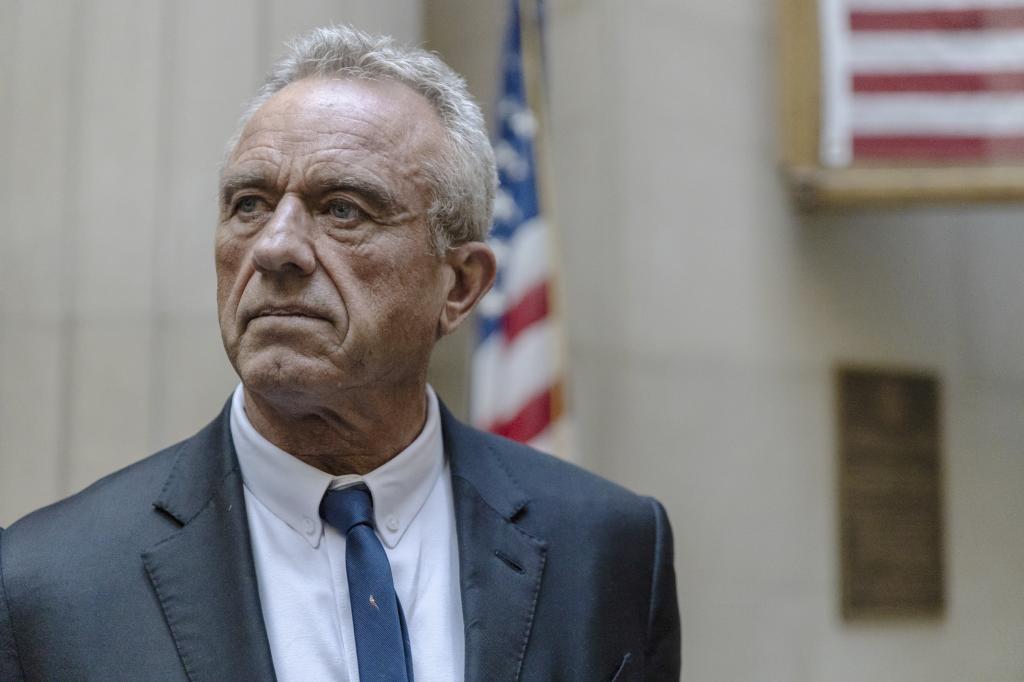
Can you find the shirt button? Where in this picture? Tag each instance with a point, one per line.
(310, 526)
(392, 523)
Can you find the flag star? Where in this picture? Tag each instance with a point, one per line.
(505, 209)
(523, 123)
(508, 106)
(510, 161)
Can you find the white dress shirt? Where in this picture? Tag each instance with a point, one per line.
(300, 560)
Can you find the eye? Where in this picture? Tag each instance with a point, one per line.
(344, 211)
(247, 204)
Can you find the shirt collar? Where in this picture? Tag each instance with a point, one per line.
(292, 489)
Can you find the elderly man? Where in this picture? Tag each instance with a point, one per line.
(335, 521)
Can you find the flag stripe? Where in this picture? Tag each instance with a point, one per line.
(927, 5)
(522, 265)
(933, 52)
(977, 115)
(507, 375)
(970, 19)
(939, 82)
(531, 308)
(530, 421)
(526, 260)
(936, 147)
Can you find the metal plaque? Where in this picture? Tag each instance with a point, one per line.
(890, 483)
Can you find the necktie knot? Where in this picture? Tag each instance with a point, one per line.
(347, 508)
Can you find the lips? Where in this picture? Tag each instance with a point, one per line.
(285, 311)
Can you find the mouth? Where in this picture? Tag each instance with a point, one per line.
(288, 312)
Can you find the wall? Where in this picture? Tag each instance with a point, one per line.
(706, 317)
(114, 118)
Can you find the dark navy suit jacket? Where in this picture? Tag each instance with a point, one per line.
(148, 574)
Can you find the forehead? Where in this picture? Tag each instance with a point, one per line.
(338, 120)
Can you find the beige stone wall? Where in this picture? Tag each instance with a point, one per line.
(705, 319)
(113, 117)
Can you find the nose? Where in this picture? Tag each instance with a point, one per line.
(285, 241)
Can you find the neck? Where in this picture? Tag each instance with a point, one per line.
(355, 435)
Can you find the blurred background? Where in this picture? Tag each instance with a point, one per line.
(705, 313)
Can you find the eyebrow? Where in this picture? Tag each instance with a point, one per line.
(374, 193)
(377, 195)
(233, 182)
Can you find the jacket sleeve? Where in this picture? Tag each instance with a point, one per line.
(663, 657)
(10, 666)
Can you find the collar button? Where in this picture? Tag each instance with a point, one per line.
(392, 523)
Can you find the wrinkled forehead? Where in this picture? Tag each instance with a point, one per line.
(375, 116)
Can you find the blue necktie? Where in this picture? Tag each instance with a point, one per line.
(382, 640)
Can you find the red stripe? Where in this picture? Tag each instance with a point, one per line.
(943, 147)
(530, 309)
(939, 82)
(938, 20)
(530, 421)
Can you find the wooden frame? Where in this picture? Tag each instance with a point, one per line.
(813, 185)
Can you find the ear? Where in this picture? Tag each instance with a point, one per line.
(472, 266)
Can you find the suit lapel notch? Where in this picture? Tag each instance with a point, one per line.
(501, 568)
(501, 565)
(203, 574)
(201, 465)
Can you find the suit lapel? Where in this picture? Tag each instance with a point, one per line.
(500, 565)
(203, 573)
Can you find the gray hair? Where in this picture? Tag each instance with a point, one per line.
(463, 180)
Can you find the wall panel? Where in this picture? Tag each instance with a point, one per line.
(36, 204)
(210, 64)
(113, 236)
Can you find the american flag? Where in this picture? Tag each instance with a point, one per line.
(922, 81)
(518, 366)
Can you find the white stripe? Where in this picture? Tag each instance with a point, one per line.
(506, 377)
(951, 114)
(523, 262)
(926, 5)
(836, 142)
(526, 262)
(936, 51)
(485, 380)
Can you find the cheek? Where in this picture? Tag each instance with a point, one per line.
(399, 293)
(413, 298)
(229, 259)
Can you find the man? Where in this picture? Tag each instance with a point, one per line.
(335, 521)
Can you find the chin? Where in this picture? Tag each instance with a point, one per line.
(285, 375)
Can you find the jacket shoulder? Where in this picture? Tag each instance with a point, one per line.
(110, 520)
(565, 495)
(120, 504)
(108, 504)
(544, 475)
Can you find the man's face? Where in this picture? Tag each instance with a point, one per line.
(326, 277)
